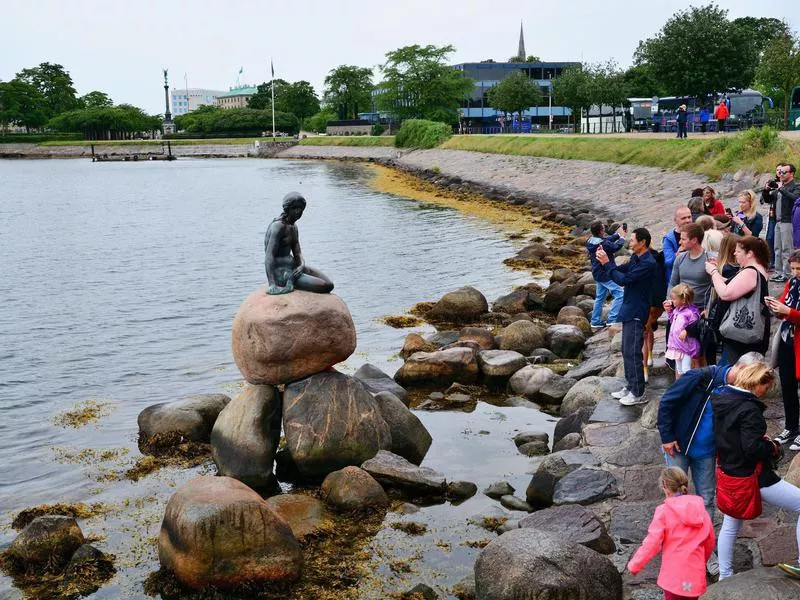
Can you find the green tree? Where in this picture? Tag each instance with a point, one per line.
(640, 82)
(699, 51)
(107, 122)
(761, 31)
(262, 99)
(54, 83)
(515, 94)
(300, 99)
(23, 104)
(95, 99)
(573, 89)
(418, 83)
(607, 88)
(208, 120)
(348, 88)
(319, 121)
(779, 70)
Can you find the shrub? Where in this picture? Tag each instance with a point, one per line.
(36, 138)
(377, 129)
(419, 133)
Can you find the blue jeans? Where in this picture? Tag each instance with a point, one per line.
(771, 241)
(605, 288)
(632, 357)
(704, 476)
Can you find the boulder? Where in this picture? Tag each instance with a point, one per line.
(377, 381)
(561, 274)
(499, 489)
(331, 421)
(514, 503)
(535, 251)
(641, 447)
(46, 542)
(568, 442)
(793, 474)
(440, 339)
(531, 436)
(439, 368)
(353, 489)
(500, 364)
(87, 570)
(630, 520)
(590, 367)
(540, 384)
(246, 435)
(217, 531)
(760, 582)
(517, 301)
(395, 471)
(521, 336)
(585, 486)
(414, 342)
(189, 419)
(542, 355)
(458, 491)
(305, 515)
(459, 306)
(572, 423)
(410, 438)
(565, 340)
(479, 335)
(586, 305)
(573, 523)
(588, 392)
(572, 315)
(526, 563)
(283, 338)
(551, 470)
(533, 448)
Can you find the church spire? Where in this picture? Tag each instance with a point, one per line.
(521, 52)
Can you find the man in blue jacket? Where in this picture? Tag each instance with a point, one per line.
(637, 278)
(671, 243)
(611, 244)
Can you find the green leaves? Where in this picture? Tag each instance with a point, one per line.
(515, 94)
(779, 70)
(347, 89)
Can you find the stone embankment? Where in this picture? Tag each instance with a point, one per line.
(641, 196)
(209, 150)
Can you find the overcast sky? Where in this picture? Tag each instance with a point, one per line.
(121, 47)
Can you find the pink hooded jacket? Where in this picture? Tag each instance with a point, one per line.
(681, 529)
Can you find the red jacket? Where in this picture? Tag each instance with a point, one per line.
(717, 208)
(794, 318)
(722, 111)
(681, 529)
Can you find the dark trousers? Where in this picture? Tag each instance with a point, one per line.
(632, 357)
(721, 125)
(681, 130)
(771, 240)
(786, 373)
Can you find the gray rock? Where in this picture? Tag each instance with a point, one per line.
(588, 392)
(410, 438)
(394, 471)
(616, 342)
(500, 363)
(514, 503)
(305, 515)
(761, 582)
(642, 447)
(649, 418)
(568, 442)
(464, 588)
(540, 384)
(609, 410)
(533, 448)
(490, 518)
(526, 563)
(246, 435)
(573, 523)
(520, 402)
(531, 436)
(546, 355)
(554, 467)
(479, 335)
(572, 423)
(461, 490)
(47, 541)
(498, 489)
(593, 366)
(377, 381)
(557, 295)
(516, 302)
(190, 418)
(420, 592)
(629, 521)
(439, 368)
(585, 486)
(462, 305)
(321, 432)
(565, 340)
(587, 306)
(353, 489)
(442, 338)
(521, 336)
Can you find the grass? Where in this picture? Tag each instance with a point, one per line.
(349, 140)
(756, 150)
(197, 142)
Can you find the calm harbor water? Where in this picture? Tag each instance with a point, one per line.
(119, 285)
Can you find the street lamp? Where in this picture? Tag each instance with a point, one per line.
(550, 100)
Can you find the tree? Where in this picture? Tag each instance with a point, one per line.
(241, 121)
(108, 122)
(515, 94)
(418, 83)
(54, 83)
(699, 52)
(347, 88)
(640, 82)
(319, 121)
(761, 31)
(300, 99)
(607, 88)
(95, 99)
(573, 89)
(262, 99)
(22, 103)
(779, 70)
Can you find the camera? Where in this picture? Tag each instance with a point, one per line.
(625, 226)
(772, 184)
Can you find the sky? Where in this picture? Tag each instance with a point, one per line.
(121, 47)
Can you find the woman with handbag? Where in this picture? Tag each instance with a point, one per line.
(744, 325)
(787, 353)
(745, 474)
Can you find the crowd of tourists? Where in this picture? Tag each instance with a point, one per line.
(725, 338)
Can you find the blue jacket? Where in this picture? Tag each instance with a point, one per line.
(637, 278)
(681, 406)
(670, 246)
(611, 244)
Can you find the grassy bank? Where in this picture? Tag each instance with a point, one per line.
(757, 150)
(349, 140)
(198, 142)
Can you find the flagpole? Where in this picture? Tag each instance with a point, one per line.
(272, 69)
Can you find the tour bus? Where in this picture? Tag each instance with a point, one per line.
(747, 109)
(794, 109)
(634, 114)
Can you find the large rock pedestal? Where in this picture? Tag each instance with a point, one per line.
(279, 339)
(217, 531)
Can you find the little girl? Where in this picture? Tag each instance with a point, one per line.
(681, 529)
(682, 312)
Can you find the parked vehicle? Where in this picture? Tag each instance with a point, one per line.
(794, 109)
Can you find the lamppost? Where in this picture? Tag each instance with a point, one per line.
(550, 99)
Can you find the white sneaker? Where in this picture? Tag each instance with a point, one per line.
(784, 437)
(712, 566)
(620, 394)
(631, 400)
(795, 444)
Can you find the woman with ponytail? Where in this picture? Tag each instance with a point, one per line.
(682, 531)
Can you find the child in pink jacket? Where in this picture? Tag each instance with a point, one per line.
(682, 531)
(681, 311)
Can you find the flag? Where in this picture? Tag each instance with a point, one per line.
(272, 68)
(241, 69)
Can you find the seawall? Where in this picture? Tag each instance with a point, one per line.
(209, 150)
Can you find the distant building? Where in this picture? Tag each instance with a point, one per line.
(184, 101)
(236, 97)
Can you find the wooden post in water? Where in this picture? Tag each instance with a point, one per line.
(93, 158)
(169, 150)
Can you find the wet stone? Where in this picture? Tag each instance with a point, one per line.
(574, 523)
(498, 489)
(609, 410)
(514, 503)
(629, 521)
(585, 486)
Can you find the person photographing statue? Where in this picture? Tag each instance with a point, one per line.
(283, 259)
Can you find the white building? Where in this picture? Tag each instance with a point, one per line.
(184, 101)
